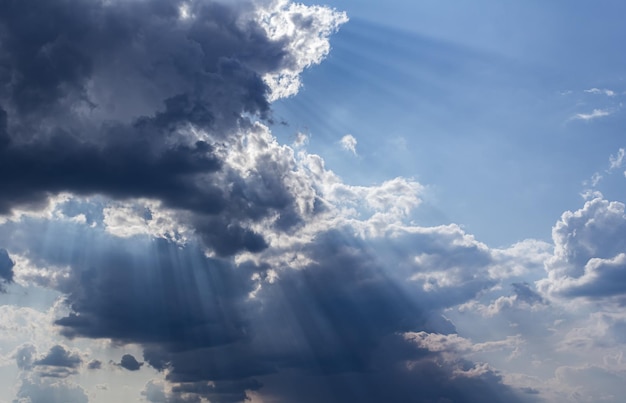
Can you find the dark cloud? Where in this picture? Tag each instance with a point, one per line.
(335, 318)
(130, 363)
(177, 296)
(6, 269)
(225, 391)
(58, 363)
(58, 55)
(58, 356)
(421, 381)
(94, 364)
(104, 98)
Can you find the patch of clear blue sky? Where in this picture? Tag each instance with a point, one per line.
(474, 99)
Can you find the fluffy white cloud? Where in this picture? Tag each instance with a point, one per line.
(306, 30)
(589, 258)
(144, 217)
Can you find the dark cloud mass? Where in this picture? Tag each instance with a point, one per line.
(330, 330)
(6, 269)
(105, 97)
(58, 363)
(58, 356)
(129, 100)
(130, 363)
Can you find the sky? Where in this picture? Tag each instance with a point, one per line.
(329, 201)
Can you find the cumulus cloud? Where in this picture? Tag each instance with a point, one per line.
(304, 30)
(58, 363)
(191, 84)
(589, 255)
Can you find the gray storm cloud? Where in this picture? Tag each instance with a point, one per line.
(131, 99)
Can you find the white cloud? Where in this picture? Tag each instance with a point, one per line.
(34, 389)
(520, 258)
(348, 143)
(306, 30)
(595, 114)
(454, 343)
(590, 252)
(28, 274)
(616, 161)
(599, 91)
(595, 179)
(23, 323)
(144, 217)
(591, 383)
(49, 209)
(301, 140)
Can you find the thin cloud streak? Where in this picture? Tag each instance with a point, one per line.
(595, 114)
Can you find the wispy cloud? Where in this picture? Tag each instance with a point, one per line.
(617, 160)
(595, 114)
(348, 143)
(603, 91)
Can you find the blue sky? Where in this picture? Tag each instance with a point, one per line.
(267, 201)
(474, 99)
